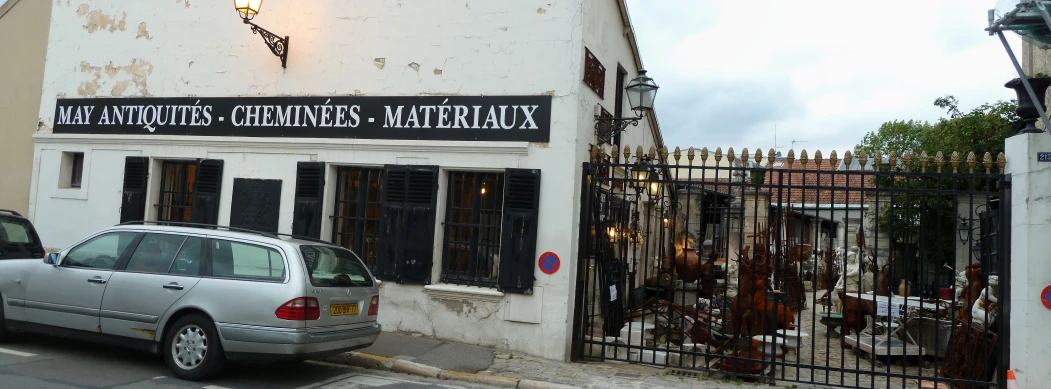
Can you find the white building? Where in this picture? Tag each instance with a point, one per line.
(177, 111)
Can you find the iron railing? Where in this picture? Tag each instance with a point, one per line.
(865, 272)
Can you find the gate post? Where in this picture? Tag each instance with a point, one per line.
(1030, 265)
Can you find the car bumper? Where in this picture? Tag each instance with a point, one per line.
(245, 342)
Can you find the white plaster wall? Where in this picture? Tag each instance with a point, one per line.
(123, 48)
(1030, 269)
(73, 213)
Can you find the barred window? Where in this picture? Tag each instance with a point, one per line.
(176, 196)
(356, 223)
(473, 219)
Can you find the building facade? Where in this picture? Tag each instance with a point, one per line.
(442, 141)
(21, 74)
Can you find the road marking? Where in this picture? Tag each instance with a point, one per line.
(214, 387)
(18, 353)
(158, 377)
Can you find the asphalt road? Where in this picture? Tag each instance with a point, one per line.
(35, 362)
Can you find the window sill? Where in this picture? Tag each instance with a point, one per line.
(458, 292)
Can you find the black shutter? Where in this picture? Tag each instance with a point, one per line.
(518, 232)
(410, 198)
(310, 193)
(133, 198)
(206, 188)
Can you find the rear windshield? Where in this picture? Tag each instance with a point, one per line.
(330, 266)
(17, 240)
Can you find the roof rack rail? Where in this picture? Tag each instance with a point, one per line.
(216, 226)
(11, 212)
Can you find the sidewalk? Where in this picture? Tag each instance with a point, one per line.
(462, 362)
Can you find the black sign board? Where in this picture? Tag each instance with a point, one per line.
(462, 118)
(256, 204)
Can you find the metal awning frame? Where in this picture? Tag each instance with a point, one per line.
(1018, 20)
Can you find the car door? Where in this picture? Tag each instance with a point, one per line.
(160, 271)
(69, 294)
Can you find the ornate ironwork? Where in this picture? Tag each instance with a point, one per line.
(277, 45)
(606, 128)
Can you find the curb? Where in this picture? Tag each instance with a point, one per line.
(370, 361)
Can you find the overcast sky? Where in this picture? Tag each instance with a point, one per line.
(825, 73)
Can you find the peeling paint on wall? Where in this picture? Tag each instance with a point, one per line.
(83, 9)
(96, 20)
(437, 72)
(187, 2)
(380, 62)
(143, 33)
(137, 71)
(414, 66)
(541, 11)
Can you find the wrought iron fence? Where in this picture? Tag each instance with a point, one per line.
(853, 272)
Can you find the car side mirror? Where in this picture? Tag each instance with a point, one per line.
(51, 259)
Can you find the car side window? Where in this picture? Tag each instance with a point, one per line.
(100, 252)
(188, 262)
(154, 253)
(242, 260)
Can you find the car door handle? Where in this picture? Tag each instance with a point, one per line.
(97, 280)
(173, 286)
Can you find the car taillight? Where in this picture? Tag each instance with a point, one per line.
(374, 306)
(302, 308)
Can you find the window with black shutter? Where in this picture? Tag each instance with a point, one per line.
(189, 191)
(356, 220)
(520, 220)
(133, 195)
(410, 196)
(310, 193)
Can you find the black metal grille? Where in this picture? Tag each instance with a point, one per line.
(473, 216)
(356, 223)
(729, 251)
(176, 196)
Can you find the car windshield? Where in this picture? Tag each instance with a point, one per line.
(331, 266)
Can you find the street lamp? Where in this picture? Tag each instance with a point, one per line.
(248, 9)
(641, 93)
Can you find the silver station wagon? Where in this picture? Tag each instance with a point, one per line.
(199, 295)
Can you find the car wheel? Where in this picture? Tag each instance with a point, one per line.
(192, 348)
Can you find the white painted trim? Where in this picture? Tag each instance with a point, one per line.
(468, 293)
(405, 146)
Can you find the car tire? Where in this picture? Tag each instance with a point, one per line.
(192, 348)
(5, 335)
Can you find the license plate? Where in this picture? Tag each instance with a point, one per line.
(343, 309)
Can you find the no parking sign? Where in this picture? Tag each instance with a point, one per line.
(1045, 297)
(549, 263)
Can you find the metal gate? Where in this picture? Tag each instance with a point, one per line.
(868, 272)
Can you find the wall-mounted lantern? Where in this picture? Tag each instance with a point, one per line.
(641, 93)
(248, 9)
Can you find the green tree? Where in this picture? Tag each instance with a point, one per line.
(981, 130)
(898, 136)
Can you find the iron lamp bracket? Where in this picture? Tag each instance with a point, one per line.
(607, 128)
(277, 45)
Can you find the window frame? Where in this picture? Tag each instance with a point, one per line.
(210, 272)
(185, 185)
(361, 203)
(469, 276)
